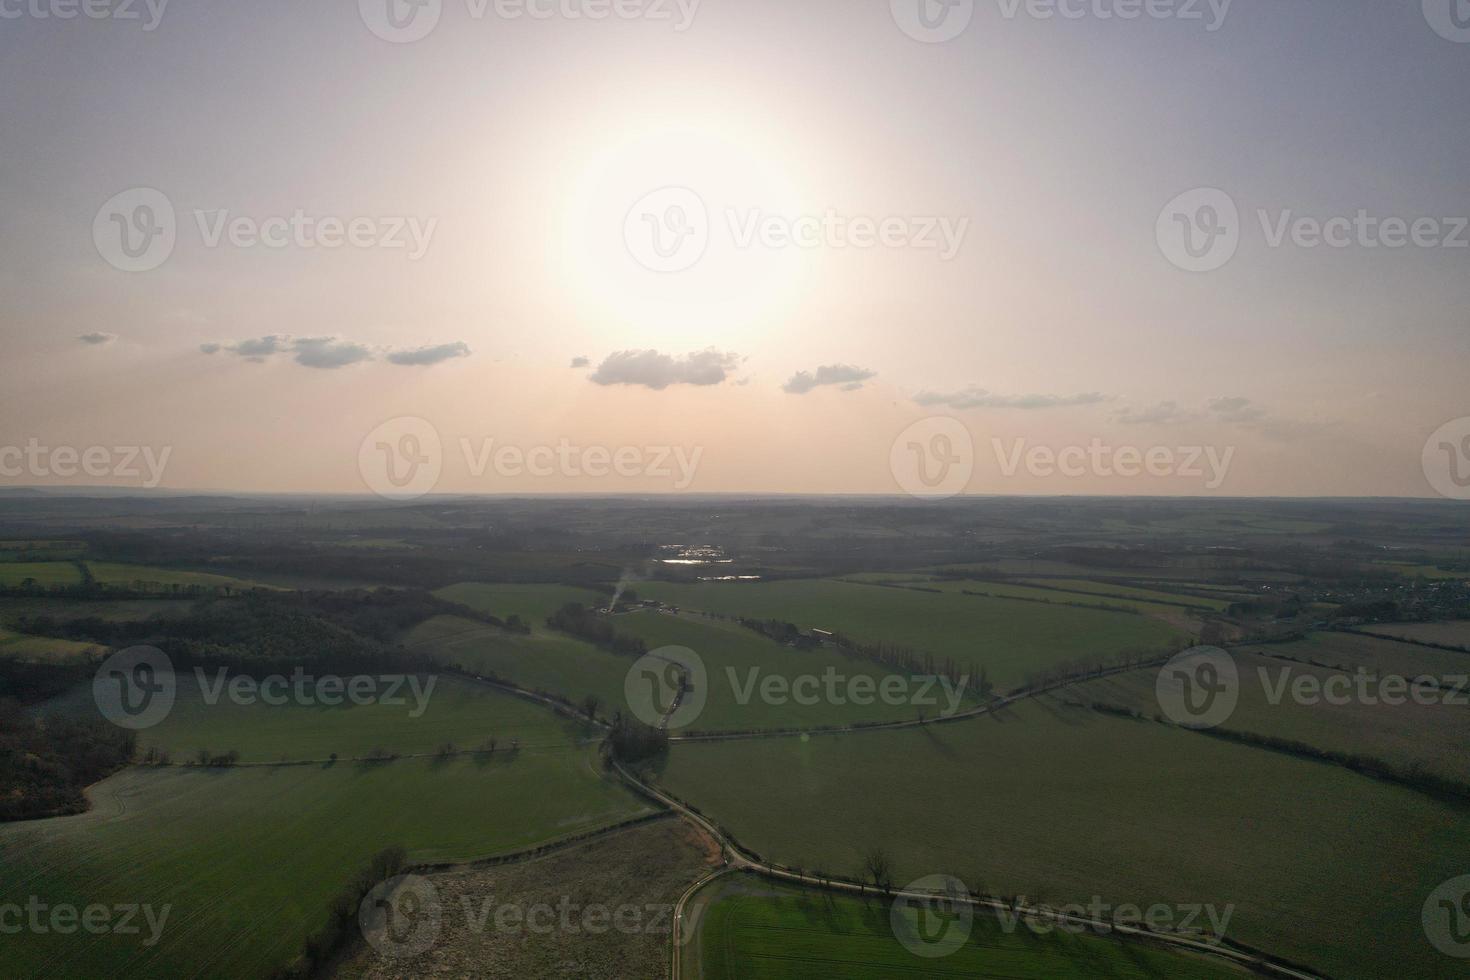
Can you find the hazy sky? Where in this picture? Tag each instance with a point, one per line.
(1024, 274)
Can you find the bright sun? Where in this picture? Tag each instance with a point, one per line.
(658, 237)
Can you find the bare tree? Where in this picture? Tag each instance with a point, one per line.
(879, 869)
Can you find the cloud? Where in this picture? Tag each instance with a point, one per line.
(209, 348)
(849, 377)
(1164, 413)
(97, 339)
(430, 355)
(653, 370)
(581, 362)
(329, 353)
(973, 397)
(1239, 410)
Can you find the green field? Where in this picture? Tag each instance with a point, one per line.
(460, 712)
(1129, 592)
(121, 610)
(115, 573)
(1348, 651)
(45, 573)
(533, 603)
(250, 859)
(1451, 634)
(1323, 866)
(725, 646)
(1035, 593)
(1008, 638)
(1406, 735)
(544, 660)
(21, 646)
(757, 931)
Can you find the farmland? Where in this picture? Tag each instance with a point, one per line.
(249, 859)
(1042, 801)
(753, 931)
(43, 573)
(146, 577)
(1008, 638)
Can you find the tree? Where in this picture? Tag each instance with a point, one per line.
(879, 869)
(589, 706)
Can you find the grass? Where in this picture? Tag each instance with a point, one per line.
(116, 573)
(459, 712)
(533, 603)
(1432, 736)
(1130, 592)
(542, 661)
(249, 860)
(1349, 651)
(755, 931)
(21, 646)
(1454, 634)
(726, 646)
(1322, 866)
(1094, 600)
(1009, 638)
(46, 573)
(122, 610)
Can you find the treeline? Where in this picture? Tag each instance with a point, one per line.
(342, 918)
(578, 620)
(781, 632)
(46, 762)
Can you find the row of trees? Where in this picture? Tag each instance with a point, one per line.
(578, 620)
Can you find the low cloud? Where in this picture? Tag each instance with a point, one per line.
(330, 353)
(581, 362)
(650, 369)
(430, 355)
(1227, 410)
(1164, 413)
(973, 397)
(850, 378)
(97, 339)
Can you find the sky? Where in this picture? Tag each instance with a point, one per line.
(1174, 247)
